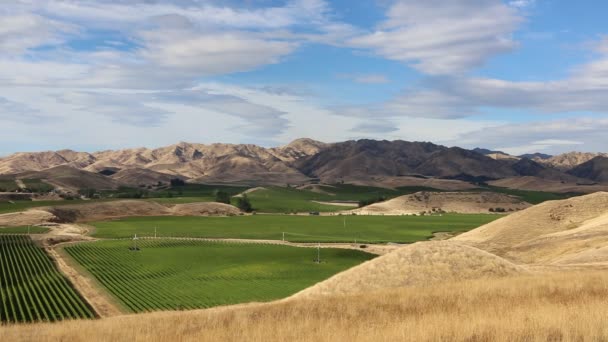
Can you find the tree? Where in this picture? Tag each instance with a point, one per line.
(244, 204)
(177, 182)
(222, 196)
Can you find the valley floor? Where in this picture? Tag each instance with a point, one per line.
(566, 306)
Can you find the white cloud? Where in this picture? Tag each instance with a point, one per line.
(553, 136)
(366, 78)
(443, 37)
(20, 32)
(459, 96)
(521, 3)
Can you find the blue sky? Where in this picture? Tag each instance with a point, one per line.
(517, 75)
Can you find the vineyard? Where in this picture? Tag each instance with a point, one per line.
(365, 229)
(172, 274)
(31, 289)
(23, 230)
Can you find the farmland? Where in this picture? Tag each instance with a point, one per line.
(290, 200)
(166, 274)
(23, 230)
(297, 228)
(30, 286)
(37, 185)
(7, 184)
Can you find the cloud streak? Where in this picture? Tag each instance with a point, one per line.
(443, 37)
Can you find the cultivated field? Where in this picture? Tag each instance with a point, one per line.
(349, 228)
(180, 274)
(30, 286)
(23, 230)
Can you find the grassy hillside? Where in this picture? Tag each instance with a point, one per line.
(181, 275)
(296, 228)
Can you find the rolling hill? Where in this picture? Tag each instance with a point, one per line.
(595, 169)
(456, 202)
(365, 162)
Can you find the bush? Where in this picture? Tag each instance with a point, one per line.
(222, 196)
(244, 204)
(369, 201)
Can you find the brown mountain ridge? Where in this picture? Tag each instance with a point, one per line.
(300, 162)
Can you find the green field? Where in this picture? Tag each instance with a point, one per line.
(31, 289)
(23, 230)
(37, 185)
(370, 229)
(180, 274)
(6, 207)
(290, 200)
(8, 185)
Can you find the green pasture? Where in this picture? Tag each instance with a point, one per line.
(347, 228)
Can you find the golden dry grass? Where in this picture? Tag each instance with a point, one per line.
(550, 307)
(539, 225)
(422, 263)
(456, 202)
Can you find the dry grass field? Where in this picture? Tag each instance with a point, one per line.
(547, 307)
(537, 275)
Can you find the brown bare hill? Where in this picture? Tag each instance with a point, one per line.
(298, 149)
(542, 184)
(138, 176)
(225, 162)
(547, 232)
(37, 161)
(458, 163)
(567, 161)
(422, 263)
(371, 162)
(595, 169)
(362, 159)
(456, 202)
(70, 178)
(99, 211)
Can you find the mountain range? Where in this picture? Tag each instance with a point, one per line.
(301, 161)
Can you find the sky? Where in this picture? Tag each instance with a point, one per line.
(519, 76)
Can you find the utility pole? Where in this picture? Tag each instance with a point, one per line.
(283, 236)
(155, 232)
(319, 253)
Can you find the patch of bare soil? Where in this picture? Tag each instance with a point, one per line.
(338, 203)
(205, 209)
(248, 191)
(318, 188)
(26, 218)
